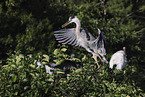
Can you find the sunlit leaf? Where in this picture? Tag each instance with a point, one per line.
(16, 93)
(63, 49)
(84, 58)
(32, 66)
(14, 78)
(20, 67)
(46, 58)
(59, 61)
(56, 51)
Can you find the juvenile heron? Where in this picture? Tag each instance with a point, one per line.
(66, 66)
(78, 36)
(118, 58)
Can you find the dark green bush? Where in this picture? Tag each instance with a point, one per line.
(21, 78)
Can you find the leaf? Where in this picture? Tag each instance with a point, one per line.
(50, 79)
(5, 66)
(76, 59)
(142, 8)
(59, 61)
(63, 49)
(32, 66)
(56, 51)
(20, 67)
(46, 90)
(19, 58)
(46, 58)
(14, 78)
(13, 66)
(84, 58)
(32, 74)
(16, 93)
(78, 70)
(59, 72)
(44, 62)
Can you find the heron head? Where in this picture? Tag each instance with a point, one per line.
(124, 48)
(71, 19)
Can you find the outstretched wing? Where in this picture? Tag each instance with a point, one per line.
(66, 36)
(102, 38)
(101, 43)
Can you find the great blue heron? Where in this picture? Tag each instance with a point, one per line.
(66, 66)
(78, 36)
(49, 69)
(118, 58)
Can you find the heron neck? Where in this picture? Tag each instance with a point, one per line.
(78, 26)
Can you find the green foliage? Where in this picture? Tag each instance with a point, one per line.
(27, 26)
(92, 82)
(22, 30)
(21, 78)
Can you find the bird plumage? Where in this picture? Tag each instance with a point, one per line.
(66, 66)
(78, 36)
(119, 59)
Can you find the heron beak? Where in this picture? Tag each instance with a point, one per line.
(66, 24)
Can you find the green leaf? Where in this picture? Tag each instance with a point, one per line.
(46, 90)
(78, 70)
(50, 79)
(56, 51)
(14, 66)
(84, 58)
(46, 58)
(59, 61)
(16, 93)
(14, 78)
(63, 49)
(32, 66)
(142, 7)
(20, 67)
(59, 72)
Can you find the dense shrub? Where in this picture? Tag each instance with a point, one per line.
(21, 78)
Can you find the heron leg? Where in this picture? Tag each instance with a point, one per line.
(95, 58)
(98, 56)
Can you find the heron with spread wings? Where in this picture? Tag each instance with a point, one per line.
(79, 37)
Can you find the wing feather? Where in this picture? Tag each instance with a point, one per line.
(66, 36)
(66, 39)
